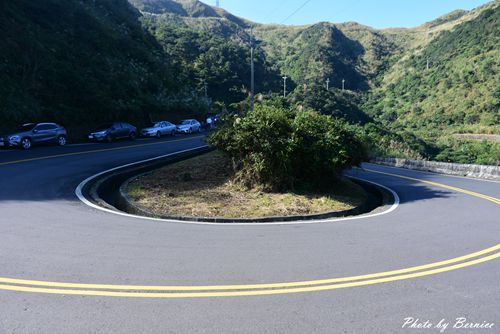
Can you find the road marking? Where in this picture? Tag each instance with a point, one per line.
(256, 292)
(95, 151)
(82, 144)
(249, 286)
(440, 185)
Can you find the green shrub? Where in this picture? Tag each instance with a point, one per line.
(276, 148)
(465, 152)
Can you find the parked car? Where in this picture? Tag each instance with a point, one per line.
(189, 126)
(112, 131)
(31, 134)
(159, 129)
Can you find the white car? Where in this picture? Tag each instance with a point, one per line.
(159, 129)
(189, 126)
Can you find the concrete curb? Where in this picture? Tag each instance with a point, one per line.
(108, 190)
(103, 189)
(469, 170)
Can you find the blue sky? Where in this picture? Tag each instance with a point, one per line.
(375, 13)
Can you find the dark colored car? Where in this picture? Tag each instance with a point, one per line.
(31, 134)
(112, 131)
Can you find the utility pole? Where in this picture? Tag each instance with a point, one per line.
(284, 86)
(252, 70)
(427, 43)
(328, 84)
(205, 87)
(343, 84)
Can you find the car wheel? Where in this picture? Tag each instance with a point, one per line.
(172, 133)
(109, 139)
(132, 136)
(158, 134)
(26, 143)
(62, 140)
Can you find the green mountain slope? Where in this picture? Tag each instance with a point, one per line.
(185, 8)
(461, 87)
(79, 62)
(450, 85)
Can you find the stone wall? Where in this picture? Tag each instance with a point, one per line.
(479, 171)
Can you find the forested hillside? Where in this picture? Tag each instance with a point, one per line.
(408, 91)
(385, 71)
(209, 56)
(450, 85)
(458, 86)
(78, 62)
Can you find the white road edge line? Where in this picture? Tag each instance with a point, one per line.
(81, 144)
(81, 197)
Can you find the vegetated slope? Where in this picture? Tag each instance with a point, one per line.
(213, 46)
(458, 92)
(215, 56)
(186, 8)
(312, 54)
(307, 54)
(79, 62)
(83, 61)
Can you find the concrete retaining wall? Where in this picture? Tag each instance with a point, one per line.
(478, 171)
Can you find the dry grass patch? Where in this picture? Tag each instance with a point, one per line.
(203, 187)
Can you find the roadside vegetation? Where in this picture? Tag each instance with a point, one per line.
(404, 92)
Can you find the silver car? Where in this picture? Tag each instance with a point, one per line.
(189, 126)
(31, 134)
(159, 129)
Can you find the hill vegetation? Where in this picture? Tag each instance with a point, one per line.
(450, 85)
(81, 62)
(411, 91)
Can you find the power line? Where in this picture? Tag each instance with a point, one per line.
(268, 16)
(296, 11)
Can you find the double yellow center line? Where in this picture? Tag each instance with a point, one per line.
(440, 185)
(147, 291)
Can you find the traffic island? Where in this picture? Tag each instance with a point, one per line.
(203, 189)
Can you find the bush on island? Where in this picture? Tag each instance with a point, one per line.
(277, 149)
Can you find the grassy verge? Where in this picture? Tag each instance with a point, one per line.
(202, 187)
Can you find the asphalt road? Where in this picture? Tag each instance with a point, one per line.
(47, 234)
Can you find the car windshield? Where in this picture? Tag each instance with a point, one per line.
(157, 125)
(104, 127)
(26, 127)
(186, 122)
